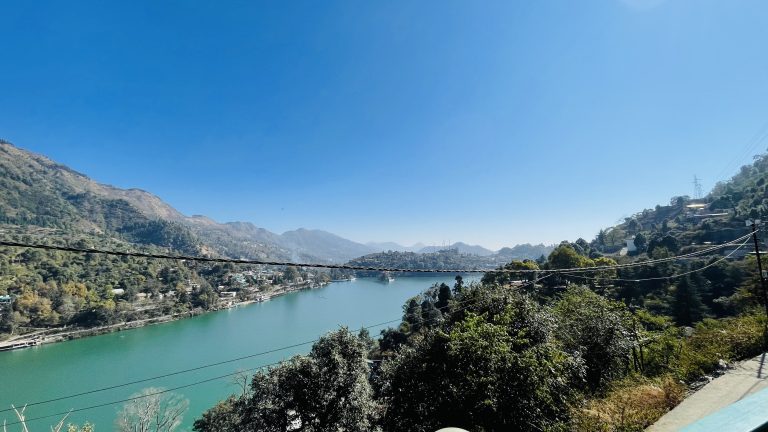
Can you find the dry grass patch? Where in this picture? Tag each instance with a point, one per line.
(631, 405)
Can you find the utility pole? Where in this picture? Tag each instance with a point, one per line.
(754, 225)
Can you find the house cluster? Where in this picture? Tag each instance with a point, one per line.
(248, 283)
(700, 210)
(254, 284)
(5, 300)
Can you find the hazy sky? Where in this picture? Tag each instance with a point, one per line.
(487, 122)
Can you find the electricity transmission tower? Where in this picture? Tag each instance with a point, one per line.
(698, 190)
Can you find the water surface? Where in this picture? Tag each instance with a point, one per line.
(60, 369)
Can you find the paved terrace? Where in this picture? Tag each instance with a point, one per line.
(744, 380)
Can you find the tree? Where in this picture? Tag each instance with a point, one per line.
(224, 416)
(664, 227)
(679, 201)
(602, 277)
(487, 373)
(640, 242)
(565, 256)
(583, 245)
(290, 274)
(8, 321)
(328, 390)
(37, 308)
(430, 314)
(528, 268)
(459, 285)
(687, 307)
(600, 240)
(444, 296)
(666, 241)
(391, 339)
(615, 237)
(596, 329)
(152, 411)
(204, 297)
(412, 314)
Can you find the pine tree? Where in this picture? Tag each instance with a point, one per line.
(687, 307)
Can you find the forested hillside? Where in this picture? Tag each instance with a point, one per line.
(42, 202)
(442, 260)
(449, 259)
(36, 191)
(538, 347)
(724, 286)
(39, 192)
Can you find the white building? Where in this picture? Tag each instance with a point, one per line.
(631, 245)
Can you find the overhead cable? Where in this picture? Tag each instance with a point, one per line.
(469, 304)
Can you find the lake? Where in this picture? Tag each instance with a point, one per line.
(61, 369)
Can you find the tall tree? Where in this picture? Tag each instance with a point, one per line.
(687, 307)
(444, 296)
(640, 242)
(459, 285)
(412, 314)
(600, 240)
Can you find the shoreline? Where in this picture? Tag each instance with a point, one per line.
(49, 336)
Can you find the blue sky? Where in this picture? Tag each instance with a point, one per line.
(487, 122)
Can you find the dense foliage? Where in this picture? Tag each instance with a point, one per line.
(323, 391)
(603, 350)
(488, 358)
(51, 288)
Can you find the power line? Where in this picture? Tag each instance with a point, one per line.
(343, 266)
(209, 365)
(665, 277)
(470, 301)
(143, 396)
(747, 150)
(183, 371)
(647, 262)
(547, 273)
(315, 340)
(230, 260)
(112, 387)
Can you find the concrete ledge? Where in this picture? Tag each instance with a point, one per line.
(747, 415)
(745, 379)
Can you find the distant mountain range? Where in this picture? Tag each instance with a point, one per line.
(523, 251)
(391, 246)
(37, 191)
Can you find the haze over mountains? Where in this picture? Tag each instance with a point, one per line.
(38, 191)
(517, 252)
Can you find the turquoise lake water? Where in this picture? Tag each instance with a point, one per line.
(66, 368)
